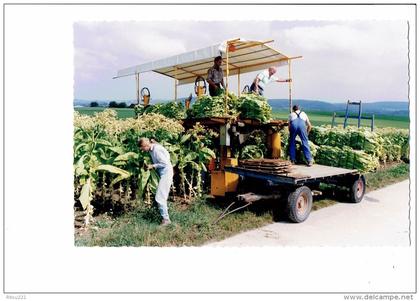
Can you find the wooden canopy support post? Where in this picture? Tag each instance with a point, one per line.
(239, 82)
(175, 84)
(138, 88)
(227, 77)
(290, 85)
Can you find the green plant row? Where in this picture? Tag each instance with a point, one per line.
(107, 160)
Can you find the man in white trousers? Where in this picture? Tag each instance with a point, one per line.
(162, 163)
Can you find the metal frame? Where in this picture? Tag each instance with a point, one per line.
(287, 180)
(359, 116)
(289, 61)
(177, 71)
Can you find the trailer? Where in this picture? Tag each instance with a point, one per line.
(296, 188)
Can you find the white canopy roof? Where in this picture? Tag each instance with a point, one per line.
(243, 55)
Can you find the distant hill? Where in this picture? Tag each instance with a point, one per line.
(398, 108)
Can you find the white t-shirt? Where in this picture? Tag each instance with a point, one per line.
(265, 78)
(302, 115)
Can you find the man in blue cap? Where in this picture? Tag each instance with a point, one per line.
(299, 125)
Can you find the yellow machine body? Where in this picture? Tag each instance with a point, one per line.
(200, 91)
(222, 182)
(146, 99)
(275, 145)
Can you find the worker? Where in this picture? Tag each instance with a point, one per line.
(215, 77)
(265, 77)
(299, 125)
(162, 164)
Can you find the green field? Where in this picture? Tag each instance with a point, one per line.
(317, 118)
(320, 118)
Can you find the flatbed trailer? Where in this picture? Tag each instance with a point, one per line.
(296, 187)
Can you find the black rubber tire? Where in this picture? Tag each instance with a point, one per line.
(294, 200)
(358, 189)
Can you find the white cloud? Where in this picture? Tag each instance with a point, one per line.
(357, 59)
(361, 39)
(366, 60)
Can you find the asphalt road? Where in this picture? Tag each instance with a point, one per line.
(380, 219)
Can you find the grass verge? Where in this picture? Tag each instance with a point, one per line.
(193, 224)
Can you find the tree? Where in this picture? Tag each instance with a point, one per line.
(94, 104)
(113, 104)
(122, 105)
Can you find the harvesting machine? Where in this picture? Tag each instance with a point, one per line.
(227, 178)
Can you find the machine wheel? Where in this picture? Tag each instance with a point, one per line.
(357, 189)
(299, 204)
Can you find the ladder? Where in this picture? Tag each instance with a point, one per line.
(359, 116)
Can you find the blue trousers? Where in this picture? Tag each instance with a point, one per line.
(298, 128)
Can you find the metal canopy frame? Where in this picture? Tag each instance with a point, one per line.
(239, 56)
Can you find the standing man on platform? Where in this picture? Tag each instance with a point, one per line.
(265, 77)
(215, 77)
(299, 125)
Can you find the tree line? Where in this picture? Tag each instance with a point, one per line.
(112, 104)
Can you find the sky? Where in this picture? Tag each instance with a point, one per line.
(356, 60)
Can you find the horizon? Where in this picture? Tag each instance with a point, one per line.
(285, 99)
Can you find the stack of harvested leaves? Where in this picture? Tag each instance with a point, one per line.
(254, 107)
(346, 157)
(207, 106)
(272, 166)
(171, 109)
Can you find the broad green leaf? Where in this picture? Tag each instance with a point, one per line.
(194, 165)
(117, 149)
(174, 159)
(103, 142)
(85, 194)
(118, 179)
(79, 167)
(208, 151)
(185, 138)
(127, 156)
(142, 181)
(154, 181)
(113, 169)
(190, 157)
(79, 146)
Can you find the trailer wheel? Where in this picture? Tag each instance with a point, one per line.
(357, 189)
(299, 204)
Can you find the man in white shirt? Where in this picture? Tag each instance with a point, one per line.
(265, 77)
(162, 163)
(299, 125)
